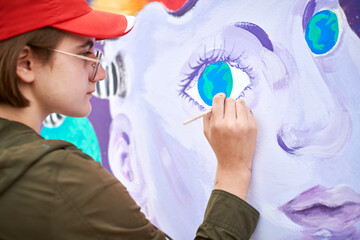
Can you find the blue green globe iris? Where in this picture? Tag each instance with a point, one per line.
(215, 78)
(322, 32)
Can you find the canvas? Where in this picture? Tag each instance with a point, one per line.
(295, 63)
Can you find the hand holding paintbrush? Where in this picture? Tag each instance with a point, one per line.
(231, 132)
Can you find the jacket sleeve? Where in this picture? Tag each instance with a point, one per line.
(92, 204)
(227, 217)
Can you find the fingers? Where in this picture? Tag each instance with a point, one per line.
(242, 111)
(244, 115)
(230, 110)
(218, 107)
(252, 120)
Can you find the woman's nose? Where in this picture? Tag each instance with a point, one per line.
(100, 75)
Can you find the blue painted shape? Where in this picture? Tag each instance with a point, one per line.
(322, 32)
(214, 79)
(79, 132)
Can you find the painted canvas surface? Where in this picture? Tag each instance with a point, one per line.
(295, 63)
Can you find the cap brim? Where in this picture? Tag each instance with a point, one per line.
(98, 24)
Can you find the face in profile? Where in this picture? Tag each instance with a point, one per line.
(294, 63)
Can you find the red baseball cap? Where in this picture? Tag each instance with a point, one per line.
(74, 16)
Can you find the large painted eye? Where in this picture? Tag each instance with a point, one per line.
(220, 77)
(229, 62)
(322, 32)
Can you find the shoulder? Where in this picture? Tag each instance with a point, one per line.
(97, 202)
(78, 167)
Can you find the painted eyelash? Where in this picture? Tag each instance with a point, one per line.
(186, 96)
(202, 63)
(242, 94)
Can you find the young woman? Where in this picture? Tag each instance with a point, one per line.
(49, 189)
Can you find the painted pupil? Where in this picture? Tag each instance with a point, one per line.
(215, 78)
(322, 32)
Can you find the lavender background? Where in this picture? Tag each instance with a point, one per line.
(305, 181)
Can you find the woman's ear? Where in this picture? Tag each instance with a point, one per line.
(25, 65)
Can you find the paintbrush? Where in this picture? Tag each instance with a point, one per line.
(198, 116)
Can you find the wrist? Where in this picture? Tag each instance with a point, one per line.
(232, 180)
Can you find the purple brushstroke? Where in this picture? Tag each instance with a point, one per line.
(283, 145)
(184, 9)
(322, 141)
(258, 32)
(126, 138)
(352, 11)
(335, 209)
(120, 146)
(100, 119)
(348, 234)
(308, 13)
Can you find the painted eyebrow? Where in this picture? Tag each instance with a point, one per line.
(257, 32)
(308, 13)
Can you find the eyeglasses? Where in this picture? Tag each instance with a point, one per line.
(96, 60)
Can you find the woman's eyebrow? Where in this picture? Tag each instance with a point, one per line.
(88, 43)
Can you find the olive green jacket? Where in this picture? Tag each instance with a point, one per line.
(49, 189)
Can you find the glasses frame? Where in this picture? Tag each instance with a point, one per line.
(96, 60)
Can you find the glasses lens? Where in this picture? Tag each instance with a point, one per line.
(97, 65)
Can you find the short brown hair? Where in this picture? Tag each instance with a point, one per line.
(39, 41)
